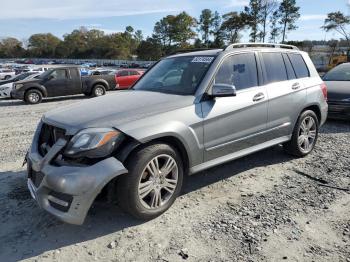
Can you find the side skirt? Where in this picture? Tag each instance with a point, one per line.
(238, 154)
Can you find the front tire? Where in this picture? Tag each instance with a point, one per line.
(304, 135)
(98, 90)
(33, 96)
(153, 183)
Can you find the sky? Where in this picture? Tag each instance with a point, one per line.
(22, 18)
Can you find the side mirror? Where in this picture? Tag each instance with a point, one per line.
(50, 77)
(223, 90)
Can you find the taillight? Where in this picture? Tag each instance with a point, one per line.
(324, 90)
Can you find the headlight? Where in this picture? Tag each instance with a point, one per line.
(94, 143)
(18, 86)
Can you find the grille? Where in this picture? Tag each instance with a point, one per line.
(48, 137)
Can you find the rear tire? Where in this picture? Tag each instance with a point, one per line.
(7, 77)
(148, 190)
(304, 135)
(98, 90)
(33, 96)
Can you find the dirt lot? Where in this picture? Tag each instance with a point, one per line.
(264, 207)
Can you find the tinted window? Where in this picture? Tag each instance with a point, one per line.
(299, 65)
(274, 67)
(186, 74)
(339, 73)
(238, 70)
(290, 70)
(134, 73)
(123, 73)
(59, 74)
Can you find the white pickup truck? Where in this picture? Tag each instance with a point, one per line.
(6, 74)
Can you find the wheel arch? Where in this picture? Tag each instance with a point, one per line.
(41, 89)
(315, 108)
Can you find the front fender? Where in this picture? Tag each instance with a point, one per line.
(185, 134)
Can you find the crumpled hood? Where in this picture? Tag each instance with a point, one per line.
(114, 110)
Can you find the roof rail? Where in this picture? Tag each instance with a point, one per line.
(271, 45)
(188, 50)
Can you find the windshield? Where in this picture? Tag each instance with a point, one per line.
(177, 75)
(339, 73)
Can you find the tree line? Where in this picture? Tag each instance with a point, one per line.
(265, 20)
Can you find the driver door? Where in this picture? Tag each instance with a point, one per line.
(232, 124)
(57, 83)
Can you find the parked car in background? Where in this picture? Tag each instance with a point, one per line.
(40, 69)
(338, 85)
(139, 144)
(16, 78)
(102, 71)
(6, 73)
(127, 77)
(61, 81)
(5, 89)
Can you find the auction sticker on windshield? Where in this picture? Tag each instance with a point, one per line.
(202, 59)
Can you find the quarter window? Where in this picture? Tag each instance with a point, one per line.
(274, 67)
(299, 65)
(238, 70)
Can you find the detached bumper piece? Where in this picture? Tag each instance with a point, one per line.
(66, 192)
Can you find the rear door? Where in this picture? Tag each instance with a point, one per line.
(287, 93)
(123, 79)
(57, 83)
(74, 85)
(232, 124)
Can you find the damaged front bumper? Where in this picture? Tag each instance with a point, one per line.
(67, 192)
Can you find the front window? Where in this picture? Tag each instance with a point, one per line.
(177, 75)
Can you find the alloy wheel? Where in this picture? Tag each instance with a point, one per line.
(307, 134)
(99, 91)
(34, 97)
(158, 181)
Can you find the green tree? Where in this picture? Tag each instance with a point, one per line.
(268, 7)
(163, 30)
(217, 31)
(11, 48)
(288, 12)
(182, 29)
(149, 49)
(253, 14)
(206, 23)
(337, 21)
(275, 30)
(233, 23)
(43, 45)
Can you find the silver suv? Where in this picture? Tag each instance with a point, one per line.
(189, 112)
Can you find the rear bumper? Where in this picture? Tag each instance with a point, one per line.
(339, 110)
(67, 192)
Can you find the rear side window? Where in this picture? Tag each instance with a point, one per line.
(238, 70)
(299, 65)
(274, 67)
(123, 73)
(134, 73)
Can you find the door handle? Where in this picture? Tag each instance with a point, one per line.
(258, 97)
(295, 86)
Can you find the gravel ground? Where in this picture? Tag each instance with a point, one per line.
(264, 207)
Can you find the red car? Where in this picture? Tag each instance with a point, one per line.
(126, 78)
